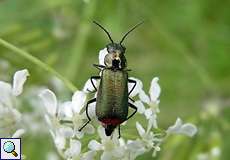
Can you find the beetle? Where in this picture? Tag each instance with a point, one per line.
(112, 100)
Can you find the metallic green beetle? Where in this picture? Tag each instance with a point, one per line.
(112, 99)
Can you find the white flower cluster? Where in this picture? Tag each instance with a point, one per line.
(10, 117)
(66, 118)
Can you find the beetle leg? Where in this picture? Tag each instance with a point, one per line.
(131, 99)
(135, 83)
(119, 131)
(91, 80)
(134, 107)
(87, 114)
(98, 66)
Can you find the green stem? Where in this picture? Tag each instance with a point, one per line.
(37, 62)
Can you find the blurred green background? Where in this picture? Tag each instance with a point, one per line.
(185, 43)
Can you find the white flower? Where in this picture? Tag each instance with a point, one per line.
(148, 139)
(110, 146)
(154, 93)
(102, 55)
(8, 92)
(67, 111)
(132, 149)
(6, 96)
(152, 101)
(58, 131)
(10, 116)
(50, 101)
(155, 90)
(187, 129)
(140, 106)
(59, 140)
(78, 101)
(19, 80)
(74, 150)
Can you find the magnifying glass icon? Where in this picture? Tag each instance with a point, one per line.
(9, 147)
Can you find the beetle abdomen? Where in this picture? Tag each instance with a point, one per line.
(112, 97)
(111, 121)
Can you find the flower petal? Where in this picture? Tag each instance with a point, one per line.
(152, 122)
(75, 147)
(136, 147)
(176, 127)
(118, 152)
(74, 150)
(148, 113)
(94, 145)
(50, 101)
(122, 142)
(188, 129)
(101, 132)
(155, 89)
(19, 80)
(144, 97)
(92, 110)
(140, 129)
(48, 120)
(66, 132)
(65, 110)
(106, 156)
(5, 94)
(59, 141)
(88, 155)
(102, 55)
(18, 133)
(16, 115)
(78, 101)
(140, 107)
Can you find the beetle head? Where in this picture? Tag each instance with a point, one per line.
(115, 58)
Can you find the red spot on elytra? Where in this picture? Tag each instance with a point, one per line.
(111, 121)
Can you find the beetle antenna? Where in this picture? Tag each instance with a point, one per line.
(104, 30)
(123, 38)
